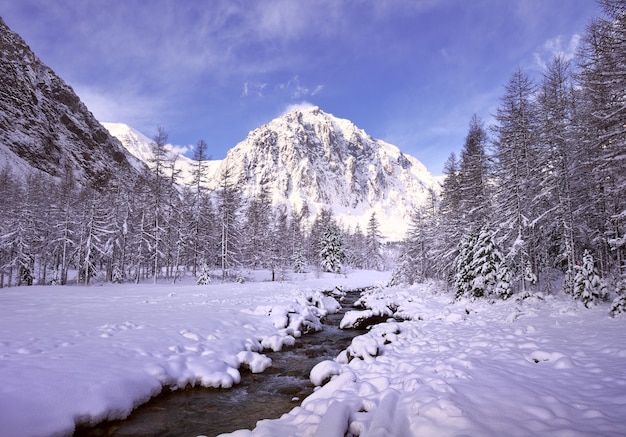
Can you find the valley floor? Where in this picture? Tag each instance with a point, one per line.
(543, 365)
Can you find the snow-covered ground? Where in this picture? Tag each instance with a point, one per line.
(535, 366)
(542, 365)
(75, 353)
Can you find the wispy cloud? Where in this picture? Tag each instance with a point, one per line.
(303, 105)
(253, 89)
(140, 111)
(297, 90)
(556, 47)
(293, 89)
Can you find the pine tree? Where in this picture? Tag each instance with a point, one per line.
(313, 242)
(588, 286)
(96, 234)
(415, 262)
(355, 244)
(450, 227)
(331, 253)
(158, 196)
(199, 205)
(299, 262)
(256, 231)
(463, 271)
(481, 269)
(205, 275)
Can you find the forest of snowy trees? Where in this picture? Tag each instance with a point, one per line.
(533, 202)
(540, 196)
(159, 228)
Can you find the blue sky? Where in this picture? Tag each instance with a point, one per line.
(409, 72)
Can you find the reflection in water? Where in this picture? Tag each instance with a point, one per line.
(268, 395)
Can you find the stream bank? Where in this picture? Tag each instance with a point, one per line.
(207, 411)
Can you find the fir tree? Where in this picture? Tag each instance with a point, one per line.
(481, 269)
(205, 275)
(331, 253)
(588, 286)
(464, 274)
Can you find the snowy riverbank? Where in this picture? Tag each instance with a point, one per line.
(538, 366)
(84, 354)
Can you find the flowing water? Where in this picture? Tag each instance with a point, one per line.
(267, 395)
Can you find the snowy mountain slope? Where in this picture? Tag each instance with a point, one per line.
(139, 146)
(44, 124)
(308, 157)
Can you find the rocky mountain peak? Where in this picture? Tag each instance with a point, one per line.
(309, 157)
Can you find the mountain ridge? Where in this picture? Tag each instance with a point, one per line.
(45, 126)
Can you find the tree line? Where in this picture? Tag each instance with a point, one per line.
(541, 194)
(55, 231)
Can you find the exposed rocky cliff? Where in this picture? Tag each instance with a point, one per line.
(43, 123)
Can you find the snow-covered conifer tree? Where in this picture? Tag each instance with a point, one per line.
(299, 261)
(603, 135)
(450, 226)
(474, 201)
(560, 144)
(204, 277)
(481, 269)
(229, 205)
(463, 272)
(373, 245)
(516, 163)
(331, 253)
(588, 286)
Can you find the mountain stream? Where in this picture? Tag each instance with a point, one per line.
(268, 395)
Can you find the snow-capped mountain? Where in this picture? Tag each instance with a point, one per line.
(45, 126)
(309, 157)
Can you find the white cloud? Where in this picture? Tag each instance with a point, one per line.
(142, 112)
(298, 90)
(317, 90)
(253, 89)
(556, 47)
(303, 106)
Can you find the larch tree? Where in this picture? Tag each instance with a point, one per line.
(474, 197)
(158, 164)
(373, 244)
(516, 161)
(229, 204)
(556, 104)
(199, 209)
(603, 84)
